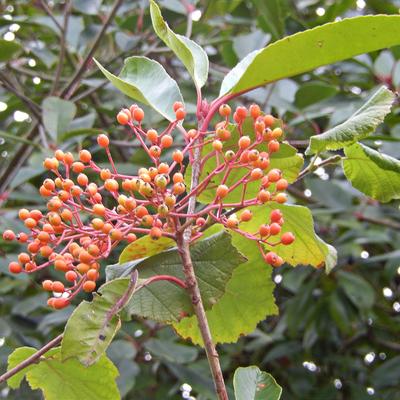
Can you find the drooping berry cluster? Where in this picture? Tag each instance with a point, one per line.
(90, 209)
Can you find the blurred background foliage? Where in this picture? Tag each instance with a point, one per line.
(337, 336)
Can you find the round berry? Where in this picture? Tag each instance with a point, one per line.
(123, 118)
(177, 156)
(264, 230)
(177, 105)
(273, 146)
(138, 114)
(282, 184)
(222, 191)
(274, 175)
(166, 141)
(85, 156)
(224, 110)
(275, 228)
(244, 142)
(246, 215)
(255, 111)
(155, 233)
(14, 267)
(180, 114)
(103, 140)
(71, 276)
(241, 112)
(47, 285)
(57, 287)
(9, 235)
(152, 136)
(287, 238)
(269, 120)
(281, 198)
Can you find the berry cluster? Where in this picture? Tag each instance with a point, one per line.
(90, 209)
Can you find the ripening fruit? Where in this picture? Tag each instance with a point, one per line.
(273, 146)
(178, 177)
(229, 155)
(14, 267)
(138, 114)
(155, 151)
(89, 286)
(103, 140)
(92, 274)
(30, 223)
(224, 110)
(59, 303)
(244, 142)
(57, 287)
(123, 118)
(161, 181)
(277, 133)
(51, 163)
(264, 196)
(273, 259)
(177, 156)
(178, 188)
(147, 220)
(155, 233)
(177, 105)
(255, 111)
(269, 120)
(275, 228)
(217, 145)
(256, 174)
(85, 156)
(232, 222)
(241, 112)
(274, 175)
(282, 184)
(23, 214)
(9, 235)
(276, 215)
(281, 198)
(222, 191)
(200, 221)
(180, 114)
(111, 185)
(264, 230)
(152, 136)
(71, 276)
(287, 238)
(130, 237)
(170, 200)
(166, 141)
(223, 134)
(246, 215)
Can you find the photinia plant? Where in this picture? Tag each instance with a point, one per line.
(203, 220)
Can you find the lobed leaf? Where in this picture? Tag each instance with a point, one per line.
(67, 380)
(373, 173)
(307, 50)
(252, 384)
(360, 125)
(146, 81)
(91, 328)
(193, 57)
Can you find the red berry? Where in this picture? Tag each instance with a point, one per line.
(275, 228)
(273, 146)
(180, 114)
(241, 112)
(138, 114)
(71, 276)
(287, 238)
(246, 215)
(275, 215)
(282, 184)
(155, 233)
(274, 175)
(264, 230)
(177, 105)
(9, 235)
(14, 267)
(200, 221)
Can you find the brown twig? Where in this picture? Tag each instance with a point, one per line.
(382, 222)
(32, 359)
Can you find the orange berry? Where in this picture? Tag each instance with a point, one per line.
(232, 222)
(92, 274)
(85, 156)
(241, 112)
(224, 110)
(273, 146)
(170, 200)
(66, 215)
(180, 114)
(147, 220)
(9, 235)
(166, 141)
(155, 151)
(78, 167)
(177, 105)
(178, 188)
(287, 238)
(44, 192)
(267, 135)
(244, 142)
(116, 234)
(138, 114)
(68, 158)
(83, 268)
(71, 276)
(256, 174)
(36, 215)
(264, 196)
(97, 223)
(23, 214)
(177, 156)
(111, 185)
(57, 287)
(59, 155)
(255, 111)
(59, 303)
(222, 191)
(103, 140)
(155, 233)
(30, 223)
(223, 134)
(275, 228)
(163, 168)
(49, 184)
(273, 259)
(277, 133)
(282, 184)
(141, 211)
(274, 175)
(61, 265)
(123, 118)
(89, 286)
(246, 215)
(281, 198)
(254, 155)
(217, 145)
(178, 177)
(47, 285)
(14, 267)
(191, 133)
(264, 230)
(269, 120)
(51, 163)
(259, 126)
(131, 237)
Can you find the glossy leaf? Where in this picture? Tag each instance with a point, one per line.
(307, 50)
(57, 115)
(314, 92)
(146, 81)
(371, 172)
(360, 125)
(190, 53)
(252, 384)
(214, 260)
(8, 49)
(248, 299)
(68, 380)
(90, 329)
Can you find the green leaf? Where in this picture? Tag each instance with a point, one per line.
(57, 115)
(371, 172)
(87, 7)
(287, 159)
(360, 125)
(16, 357)
(144, 247)
(307, 50)
(252, 384)
(68, 380)
(314, 92)
(90, 330)
(146, 81)
(190, 53)
(170, 351)
(214, 260)
(386, 373)
(8, 49)
(248, 299)
(357, 289)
